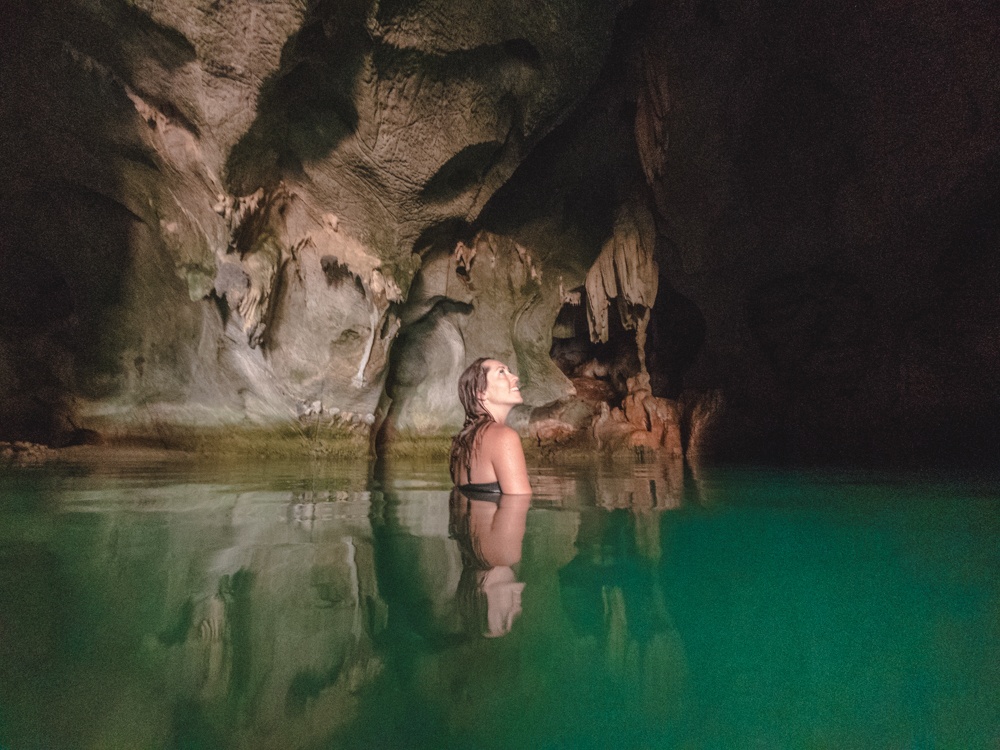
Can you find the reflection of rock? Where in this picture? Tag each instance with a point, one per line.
(417, 566)
(20, 452)
(657, 485)
(210, 626)
(278, 596)
(553, 488)
(238, 627)
(613, 596)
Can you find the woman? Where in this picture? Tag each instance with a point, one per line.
(486, 455)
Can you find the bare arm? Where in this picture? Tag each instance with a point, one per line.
(507, 457)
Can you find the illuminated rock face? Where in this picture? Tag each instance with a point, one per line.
(212, 208)
(222, 212)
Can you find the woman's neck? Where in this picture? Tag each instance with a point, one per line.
(499, 413)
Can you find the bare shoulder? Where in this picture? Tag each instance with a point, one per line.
(501, 435)
(503, 447)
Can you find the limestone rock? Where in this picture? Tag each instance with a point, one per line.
(611, 429)
(479, 297)
(215, 212)
(643, 421)
(232, 193)
(561, 421)
(626, 272)
(593, 391)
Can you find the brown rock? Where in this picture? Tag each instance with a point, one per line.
(593, 391)
(611, 429)
(560, 421)
(548, 431)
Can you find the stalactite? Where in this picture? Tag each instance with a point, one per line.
(652, 108)
(261, 266)
(255, 228)
(626, 272)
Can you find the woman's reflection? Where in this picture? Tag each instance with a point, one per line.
(489, 529)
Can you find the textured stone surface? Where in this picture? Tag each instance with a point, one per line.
(221, 212)
(213, 207)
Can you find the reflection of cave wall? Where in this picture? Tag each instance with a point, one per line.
(221, 617)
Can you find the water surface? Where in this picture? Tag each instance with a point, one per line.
(312, 605)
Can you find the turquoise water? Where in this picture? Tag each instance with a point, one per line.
(175, 605)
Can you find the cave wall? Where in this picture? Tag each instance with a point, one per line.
(213, 206)
(825, 178)
(235, 212)
(494, 286)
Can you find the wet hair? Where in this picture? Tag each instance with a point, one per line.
(471, 386)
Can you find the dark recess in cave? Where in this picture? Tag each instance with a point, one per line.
(613, 361)
(674, 338)
(442, 236)
(60, 280)
(584, 168)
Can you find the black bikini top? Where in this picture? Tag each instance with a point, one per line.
(492, 488)
(486, 491)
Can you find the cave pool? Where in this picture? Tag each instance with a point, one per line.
(169, 604)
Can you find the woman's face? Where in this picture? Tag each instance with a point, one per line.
(501, 385)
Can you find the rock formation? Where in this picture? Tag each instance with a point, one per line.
(213, 208)
(236, 213)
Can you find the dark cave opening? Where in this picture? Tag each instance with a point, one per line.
(57, 304)
(601, 369)
(675, 336)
